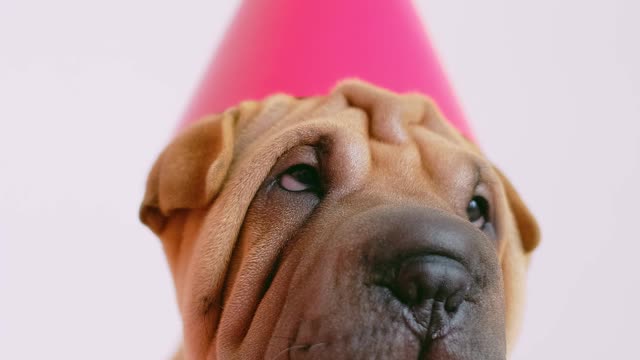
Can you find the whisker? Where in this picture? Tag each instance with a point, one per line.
(307, 347)
(314, 345)
(285, 351)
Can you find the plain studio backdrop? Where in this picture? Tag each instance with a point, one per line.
(91, 91)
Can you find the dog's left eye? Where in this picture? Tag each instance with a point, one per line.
(301, 177)
(478, 211)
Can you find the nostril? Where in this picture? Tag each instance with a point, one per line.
(431, 277)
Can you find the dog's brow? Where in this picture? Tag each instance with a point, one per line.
(484, 173)
(478, 174)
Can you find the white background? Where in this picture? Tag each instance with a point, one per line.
(90, 92)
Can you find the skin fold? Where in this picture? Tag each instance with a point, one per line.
(339, 226)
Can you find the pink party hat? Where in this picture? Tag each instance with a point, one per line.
(304, 48)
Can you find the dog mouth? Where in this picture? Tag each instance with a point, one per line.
(369, 342)
(374, 341)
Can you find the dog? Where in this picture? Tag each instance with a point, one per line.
(354, 225)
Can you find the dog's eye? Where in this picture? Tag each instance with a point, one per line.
(478, 211)
(301, 177)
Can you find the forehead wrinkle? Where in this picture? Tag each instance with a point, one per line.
(453, 171)
(397, 160)
(397, 176)
(279, 111)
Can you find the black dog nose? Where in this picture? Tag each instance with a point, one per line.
(438, 273)
(436, 277)
(430, 261)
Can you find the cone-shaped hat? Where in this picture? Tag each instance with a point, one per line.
(304, 47)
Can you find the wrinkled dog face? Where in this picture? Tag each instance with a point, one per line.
(356, 225)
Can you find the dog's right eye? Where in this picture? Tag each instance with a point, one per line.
(299, 178)
(478, 211)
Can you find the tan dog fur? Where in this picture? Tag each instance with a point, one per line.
(202, 186)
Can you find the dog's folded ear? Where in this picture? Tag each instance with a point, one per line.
(190, 171)
(527, 225)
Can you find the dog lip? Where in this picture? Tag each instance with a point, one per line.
(356, 343)
(425, 348)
